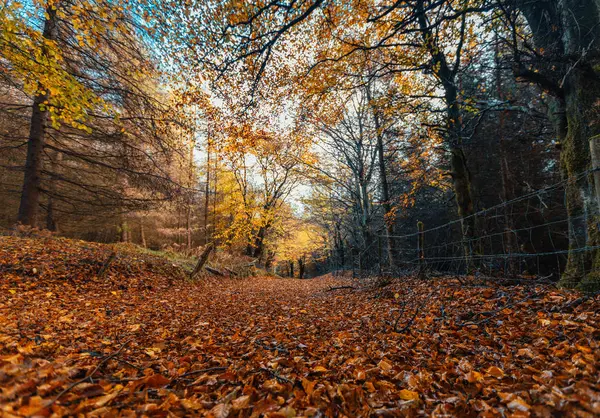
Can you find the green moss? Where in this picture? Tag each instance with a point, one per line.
(574, 271)
(591, 282)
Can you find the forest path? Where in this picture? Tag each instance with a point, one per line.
(141, 341)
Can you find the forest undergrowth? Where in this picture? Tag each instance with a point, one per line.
(142, 339)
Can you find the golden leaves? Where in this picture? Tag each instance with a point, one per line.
(408, 395)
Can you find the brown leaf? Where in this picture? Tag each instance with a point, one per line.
(156, 381)
(220, 411)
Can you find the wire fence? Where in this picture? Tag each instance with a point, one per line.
(530, 236)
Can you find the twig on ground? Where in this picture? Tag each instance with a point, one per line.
(339, 287)
(209, 369)
(107, 264)
(412, 320)
(89, 376)
(276, 375)
(278, 347)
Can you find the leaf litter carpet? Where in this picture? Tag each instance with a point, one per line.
(144, 341)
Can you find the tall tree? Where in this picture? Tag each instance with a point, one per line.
(562, 57)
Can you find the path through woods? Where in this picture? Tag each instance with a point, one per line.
(143, 340)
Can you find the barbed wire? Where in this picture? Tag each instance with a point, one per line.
(508, 244)
(503, 204)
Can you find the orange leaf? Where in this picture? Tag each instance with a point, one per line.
(384, 365)
(473, 377)
(496, 372)
(408, 395)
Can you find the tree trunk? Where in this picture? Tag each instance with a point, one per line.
(124, 231)
(142, 233)
(461, 177)
(385, 191)
(301, 268)
(30, 194)
(509, 242)
(582, 91)
(339, 243)
(259, 242)
(569, 33)
(207, 191)
(291, 264)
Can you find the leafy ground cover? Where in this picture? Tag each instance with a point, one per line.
(144, 340)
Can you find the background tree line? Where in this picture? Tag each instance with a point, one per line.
(426, 109)
(129, 121)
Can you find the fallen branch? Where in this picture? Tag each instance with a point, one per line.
(210, 369)
(414, 317)
(339, 287)
(276, 375)
(107, 264)
(279, 348)
(202, 260)
(214, 271)
(231, 272)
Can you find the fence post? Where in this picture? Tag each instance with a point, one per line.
(421, 249)
(379, 253)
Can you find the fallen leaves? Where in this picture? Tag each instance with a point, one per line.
(384, 365)
(280, 348)
(408, 395)
(495, 372)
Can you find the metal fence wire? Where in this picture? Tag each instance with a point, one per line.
(529, 236)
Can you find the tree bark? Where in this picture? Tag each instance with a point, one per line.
(385, 191)
(259, 242)
(461, 176)
(301, 268)
(510, 241)
(202, 260)
(142, 232)
(207, 191)
(124, 231)
(30, 195)
(569, 32)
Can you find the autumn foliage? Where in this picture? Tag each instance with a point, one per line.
(143, 340)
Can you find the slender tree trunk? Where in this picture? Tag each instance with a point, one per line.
(190, 202)
(510, 244)
(142, 232)
(291, 264)
(340, 244)
(30, 194)
(213, 232)
(207, 192)
(388, 217)
(461, 176)
(124, 230)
